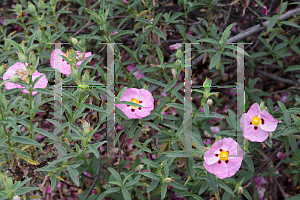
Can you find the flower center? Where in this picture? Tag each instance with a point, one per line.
(224, 155)
(135, 101)
(67, 55)
(255, 121)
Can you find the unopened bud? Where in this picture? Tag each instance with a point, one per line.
(139, 168)
(22, 57)
(82, 44)
(74, 73)
(16, 198)
(18, 8)
(168, 180)
(179, 54)
(74, 40)
(86, 77)
(240, 190)
(178, 63)
(209, 102)
(15, 79)
(174, 73)
(86, 127)
(32, 57)
(7, 182)
(218, 138)
(2, 69)
(42, 5)
(81, 56)
(31, 7)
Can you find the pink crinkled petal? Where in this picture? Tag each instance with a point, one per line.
(254, 110)
(233, 167)
(220, 170)
(210, 157)
(86, 55)
(56, 59)
(258, 135)
(129, 94)
(144, 112)
(146, 98)
(270, 123)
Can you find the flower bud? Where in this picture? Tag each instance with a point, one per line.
(22, 57)
(174, 73)
(42, 5)
(209, 102)
(32, 57)
(7, 182)
(82, 44)
(19, 8)
(31, 7)
(74, 40)
(81, 56)
(168, 180)
(178, 63)
(240, 190)
(86, 127)
(16, 198)
(86, 77)
(74, 73)
(139, 168)
(179, 54)
(15, 78)
(2, 69)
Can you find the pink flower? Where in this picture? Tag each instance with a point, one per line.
(265, 11)
(260, 181)
(49, 190)
(151, 20)
(190, 33)
(175, 46)
(20, 67)
(138, 96)
(280, 155)
(257, 124)
(221, 159)
(261, 192)
(214, 129)
(137, 74)
(124, 1)
(114, 33)
(57, 62)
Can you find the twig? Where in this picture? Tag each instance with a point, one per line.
(276, 78)
(282, 191)
(257, 15)
(225, 23)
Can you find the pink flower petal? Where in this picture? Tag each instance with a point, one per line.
(270, 123)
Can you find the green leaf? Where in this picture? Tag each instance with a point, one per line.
(170, 86)
(272, 22)
(160, 33)
(115, 174)
(126, 194)
(246, 194)
(45, 133)
(225, 187)
(281, 105)
(94, 150)
(107, 192)
(292, 140)
(164, 190)
(212, 182)
(150, 163)
(292, 68)
(176, 105)
(24, 140)
(225, 34)
(18, 46)
(176, 15)
(290, 24)
(204, 187)
(92, 107)
(212, 41)
(260, 3)
(150, 175)
(152, 185)
(283, 7)
(174, 184)
(215, 59)
(133, 127)
(25, 190)
(160, 55)
(73, 174)
(155, 82)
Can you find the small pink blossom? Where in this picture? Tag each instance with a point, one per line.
(41, 83)
(138, 96)
(261, 192)
(175, 46)
(190, 33)
(126, 2)
(138, 73)
(151, 20)
(214, 129)
(257, 124)
(260, 180)
(221, 159)
(114, 33)
(57, 62)
(265, 11)
(280, 155)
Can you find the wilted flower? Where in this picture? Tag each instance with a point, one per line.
(209, 102)
(265, 11)
(257, 124)
(260, 180)
(113, 33)
(138, 96)
(280, 155)
(175, 46)
(168, 180)
(124, 1)
(16, 197)
(221, 159)
(139, 168)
